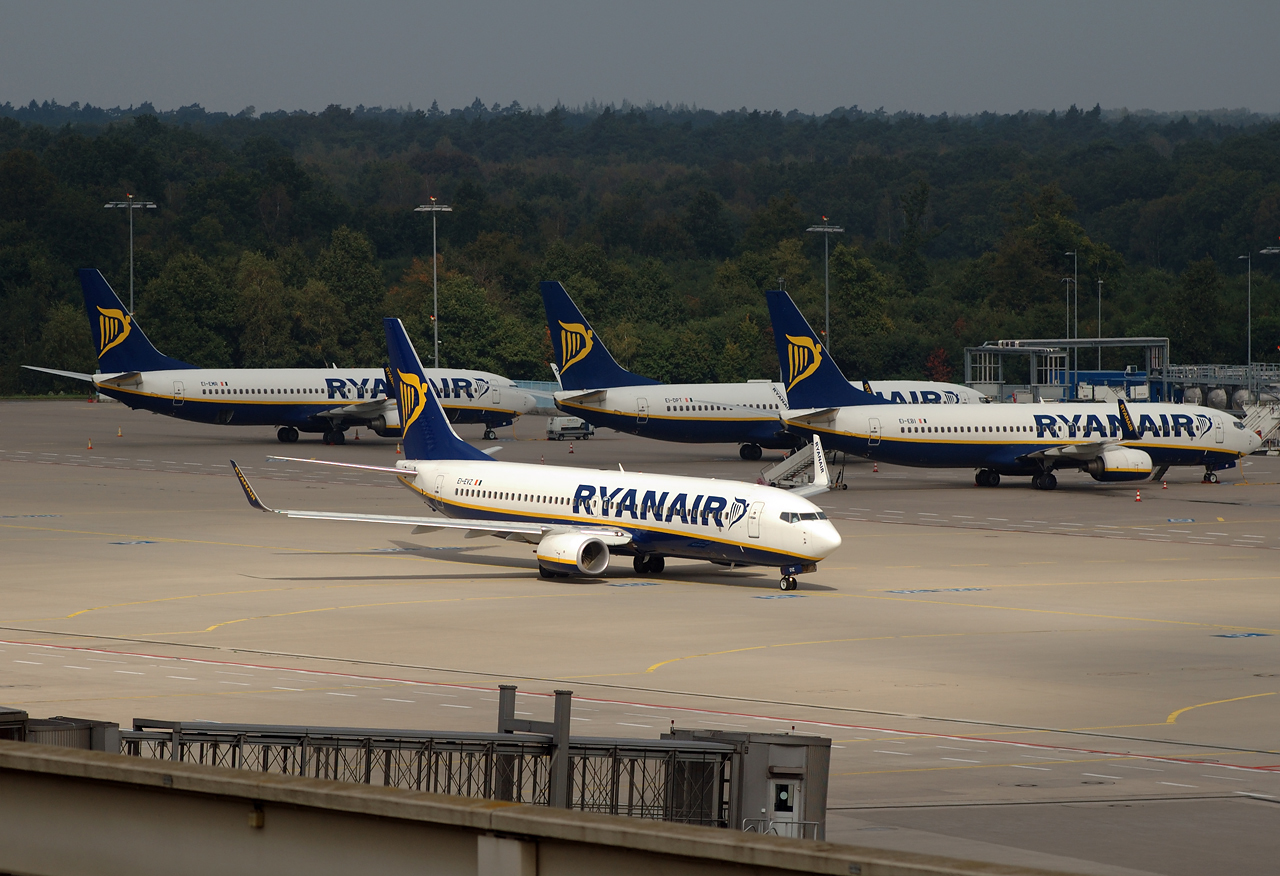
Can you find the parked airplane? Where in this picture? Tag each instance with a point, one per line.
(327, 401)
(997, 439)
(599, 390)
(575, 515)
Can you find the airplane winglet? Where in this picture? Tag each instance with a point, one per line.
(1128, 431)
(248, 489)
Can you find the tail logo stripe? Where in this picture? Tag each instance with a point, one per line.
(113, 327)
(576, 341)
(804, 355)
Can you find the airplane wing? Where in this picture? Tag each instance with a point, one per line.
(1088, 450)
(812, 416)
(584, 395)
(530, 532)
(384, 468)
(367, 410)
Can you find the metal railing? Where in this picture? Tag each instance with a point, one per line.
(664, 780)
(794, 829)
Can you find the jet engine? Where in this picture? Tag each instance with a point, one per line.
(1119, 464)
(573, 553)
(387, 424)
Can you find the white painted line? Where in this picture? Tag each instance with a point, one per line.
(332, 694)
(1178, 785)
(961, 760)
(240, 683)
(127, 672)
(1125, 766)
(99, 660)
(1019, 766)
(1218, 533)
(31, 662)
(899, 753)
(385, 699)
(1101, 776)
(1256, 794)
(182, 677)
(1224, 778)
(625, 724)
(449, 705)
(953, 748)
(588, 720)
(298, 689)
(69, 666)
(1037, 757)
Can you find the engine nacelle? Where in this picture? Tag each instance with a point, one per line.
(1120, 464)
(572, 553)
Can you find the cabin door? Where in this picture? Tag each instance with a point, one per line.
(874, 438)
(642, 410)
(177, 392)
(1218, 433)
(753, 520)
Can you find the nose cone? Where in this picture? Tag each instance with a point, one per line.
(1255, 441)
(525, 403)
(823, 539)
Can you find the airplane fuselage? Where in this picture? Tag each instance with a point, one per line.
(1001, 437)
(695, 518)
(307, 398)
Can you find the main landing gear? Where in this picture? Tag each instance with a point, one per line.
(648, 564)
(489, 434)
(335, 437)
(987, 478)
(287, 435)
(750, 452)
(788, 582)
(1044, 481)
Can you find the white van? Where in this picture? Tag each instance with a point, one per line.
(559, 428)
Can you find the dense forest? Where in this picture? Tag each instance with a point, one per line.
(281, 238)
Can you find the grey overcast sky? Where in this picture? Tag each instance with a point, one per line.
(811, 55)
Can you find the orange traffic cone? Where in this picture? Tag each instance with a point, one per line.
(90, 443)
(397, 447)
(542, 460)
(357, 434)
(1138, 498)
(571, 447)
(875, 467)
(119, 432)
(1166, 485)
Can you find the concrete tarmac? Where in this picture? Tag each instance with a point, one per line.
(1069, 673)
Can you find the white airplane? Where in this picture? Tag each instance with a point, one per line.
(323, 400)
(998, 439)
(576, 515)
(596, 388)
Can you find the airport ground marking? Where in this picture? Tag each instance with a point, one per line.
(240, 620)
(1173, 716)
(1148, 620)
(484, 686)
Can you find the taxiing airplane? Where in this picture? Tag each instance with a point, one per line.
(596, 388)
(327, 401)
(997, 439)
(575, 516)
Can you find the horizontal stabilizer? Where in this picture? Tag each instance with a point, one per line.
(74, 375)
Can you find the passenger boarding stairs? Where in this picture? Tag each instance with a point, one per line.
(1265, 420)
(806, 471)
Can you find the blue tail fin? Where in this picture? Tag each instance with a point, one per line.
(581, 356)
(118, 338)
(812, 378)
(427, 433)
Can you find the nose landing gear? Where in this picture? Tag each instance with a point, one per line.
(1210, 477)
(489, 434)
(788, 582)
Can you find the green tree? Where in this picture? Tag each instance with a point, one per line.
(1193, 311)
(188, 312)
(263, 314)
(348, 266)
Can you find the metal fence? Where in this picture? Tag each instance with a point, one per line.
(682, 781)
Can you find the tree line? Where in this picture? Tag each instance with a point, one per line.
(281, 239)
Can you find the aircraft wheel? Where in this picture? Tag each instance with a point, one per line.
(327, 438)
(1211, 477)
(980, 478)
(489, 434)
(338, 438)
(641, 564)
(656, 564)
(750, 452)
(1049, 481)
(782, 583)
(545, 572)
(287, 435)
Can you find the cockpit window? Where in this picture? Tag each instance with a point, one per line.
(788, 517)
(793, 517)
(1239, 425)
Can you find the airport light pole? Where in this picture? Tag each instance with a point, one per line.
(130, 204)
(433, 208)
(826, 230)
(1099, 323)
(1075, 280)
(1249, 313)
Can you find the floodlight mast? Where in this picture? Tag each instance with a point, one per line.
(826, 230)
(433, 208)
(130, 204)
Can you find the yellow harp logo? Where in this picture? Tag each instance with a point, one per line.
(804, 355)
(413, 398)
(113, 327)
(576, 341)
